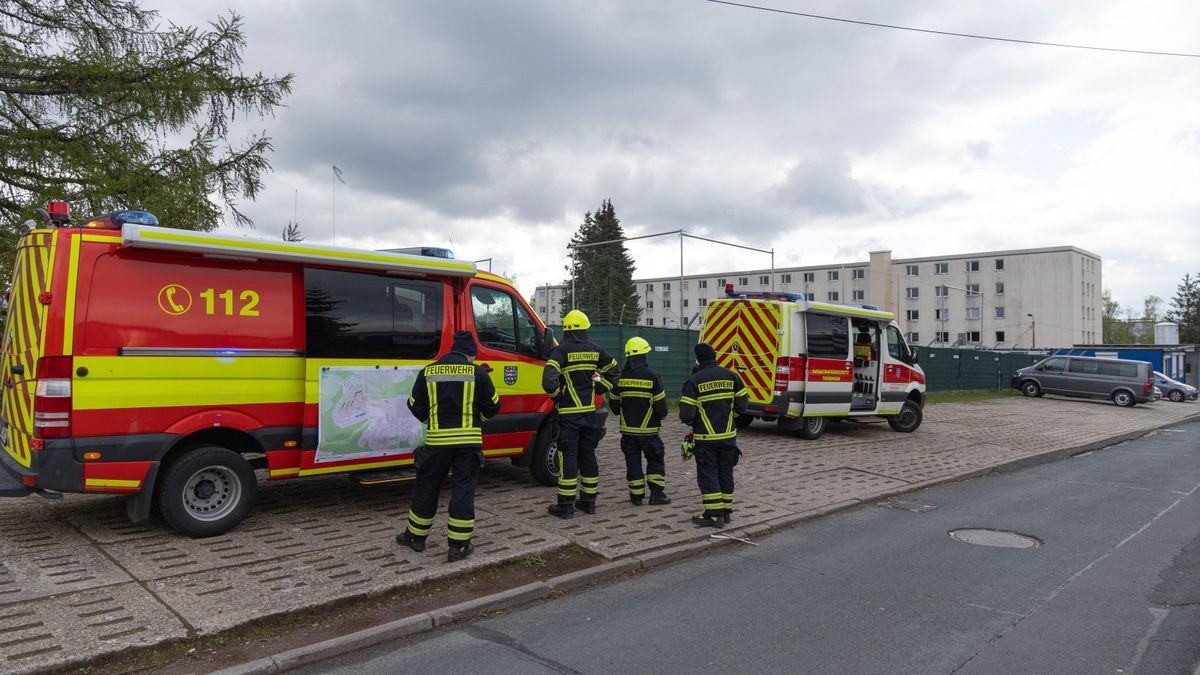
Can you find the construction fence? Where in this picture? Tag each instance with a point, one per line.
(946, 369)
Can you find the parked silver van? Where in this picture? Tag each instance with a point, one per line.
(1122, 381)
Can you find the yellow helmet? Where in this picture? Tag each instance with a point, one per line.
(576, 320)
(636, 347)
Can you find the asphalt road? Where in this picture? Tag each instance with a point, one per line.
(1112, 587)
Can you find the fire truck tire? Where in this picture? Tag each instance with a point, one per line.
(743, 421)
(811, 428)
(544, 462)
(908, 419)
(207, 491)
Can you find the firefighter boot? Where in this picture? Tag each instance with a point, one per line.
(708, 519)
(459, 550)
(587, 505)
(658, 495)
(410, 540)
(636, 500)
(727, 515)
(565, 508)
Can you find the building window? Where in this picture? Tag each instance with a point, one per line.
(1000, 312)
(912, 292)
(666, 286)
(743, 281)
(704, 302)
(973, 266)
(941, 291)
(857, 295)
(972, 336)
(941, 268)
(913, 338)
(810, 277)
(942, 336)
(832, 275)
(999, 336)
(999, 267)
(721, 283)
(785, 278)
(703, 284)
(685, 285)
(649, 288)
(649, 304)
(685, 302)
(972, 313)
(858, 274)
(912, 315)
(810, 296)
(667, 303)
(833, 296)
(941, 314)
(972, 289)
(999, 288)
(912, 271)
(764, 280)
(649, 321)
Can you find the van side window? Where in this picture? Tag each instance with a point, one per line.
(895, 345)
(828, 336)
(1118, 369)
(1083, 366)
(356, 315)
(502, 323)
(1054, 365)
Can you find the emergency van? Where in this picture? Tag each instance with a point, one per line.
(804, 363)
(170, 365)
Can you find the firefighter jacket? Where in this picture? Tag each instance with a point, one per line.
(567, 377)
(638, 399)
(712, 399)
(453, 397)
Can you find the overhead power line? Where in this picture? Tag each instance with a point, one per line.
(951, 33)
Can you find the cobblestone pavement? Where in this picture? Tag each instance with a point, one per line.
(78, 581)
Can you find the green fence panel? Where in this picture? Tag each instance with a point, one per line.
(671, 349)
(949, 369)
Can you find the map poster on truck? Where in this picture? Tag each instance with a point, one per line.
(364, 413)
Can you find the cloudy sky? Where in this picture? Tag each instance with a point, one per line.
(493, 126)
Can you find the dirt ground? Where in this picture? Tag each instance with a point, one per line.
(273, 635)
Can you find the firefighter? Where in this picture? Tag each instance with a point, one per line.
(712, 399)
(570, 378)
(640, 403)
(453, 397)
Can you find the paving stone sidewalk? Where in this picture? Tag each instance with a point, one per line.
(78, 581)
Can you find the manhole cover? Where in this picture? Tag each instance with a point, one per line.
(1000, 538)
(906, 506)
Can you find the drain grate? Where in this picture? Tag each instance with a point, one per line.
(997, 538)
(906, 506)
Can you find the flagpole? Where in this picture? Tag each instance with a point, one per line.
(334, 208)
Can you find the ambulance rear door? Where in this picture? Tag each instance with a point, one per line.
(746, 335)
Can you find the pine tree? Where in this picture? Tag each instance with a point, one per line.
(601, 276)
(1185, 309)
(103, 106)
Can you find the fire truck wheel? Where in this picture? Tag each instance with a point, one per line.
(908, 419)
(743, 421)
(206, 491)
(544, 462)
(812, 427)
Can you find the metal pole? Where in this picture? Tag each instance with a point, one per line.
(574, 270)
(772, 269)
(335, 209)
(680, 308)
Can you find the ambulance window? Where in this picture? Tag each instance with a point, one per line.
(828, 336)
(501, 322)
(351, 314)
(895, 345)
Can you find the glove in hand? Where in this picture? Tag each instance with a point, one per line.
(687, 447)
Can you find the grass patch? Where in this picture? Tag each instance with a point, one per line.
(935, 397)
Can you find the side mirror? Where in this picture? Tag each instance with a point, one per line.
(912, 357)
(546, 344)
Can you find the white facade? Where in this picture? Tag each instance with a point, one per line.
(1045, 297)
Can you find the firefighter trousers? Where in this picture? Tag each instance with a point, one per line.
(714, 474)
(634, 447)
(432, 464)
(578, 436)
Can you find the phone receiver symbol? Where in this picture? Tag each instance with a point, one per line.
(171, 300)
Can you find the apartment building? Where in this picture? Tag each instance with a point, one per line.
(1043, 297)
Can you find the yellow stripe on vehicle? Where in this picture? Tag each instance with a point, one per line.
(356, 467)
(69, 305)
(111, 482)
(288, 471)
(166, 381)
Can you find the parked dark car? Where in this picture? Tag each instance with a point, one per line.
(1123, 381)
(1174, 389)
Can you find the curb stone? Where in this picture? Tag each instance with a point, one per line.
(502, 600)
(573, 580)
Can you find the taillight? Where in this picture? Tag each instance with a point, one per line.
(1147, 387)
(52, 398)
(788, 368)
